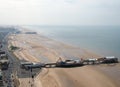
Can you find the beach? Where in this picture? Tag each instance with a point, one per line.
(38, 48)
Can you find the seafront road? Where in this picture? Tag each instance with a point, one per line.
(10, 75)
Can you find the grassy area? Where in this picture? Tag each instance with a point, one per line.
(12, 48)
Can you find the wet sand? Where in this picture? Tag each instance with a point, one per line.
(35, 48)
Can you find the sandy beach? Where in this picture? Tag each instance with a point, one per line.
(38, 48)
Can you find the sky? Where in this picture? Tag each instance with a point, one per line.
(59, 12)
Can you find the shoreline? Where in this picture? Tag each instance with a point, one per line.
(36, 48)
(90, 43)
(64, 43)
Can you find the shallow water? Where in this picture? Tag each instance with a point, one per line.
(104, 40)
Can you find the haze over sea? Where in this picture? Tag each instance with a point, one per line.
(103, 40)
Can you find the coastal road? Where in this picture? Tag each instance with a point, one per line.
(7, 74)
(10, 75)
(14, 71)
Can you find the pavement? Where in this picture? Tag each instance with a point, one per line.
(10, 75)
(14, 71)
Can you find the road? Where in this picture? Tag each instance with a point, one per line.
(10, 75)
(14, 71)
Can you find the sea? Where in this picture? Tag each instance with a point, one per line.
(102, 40)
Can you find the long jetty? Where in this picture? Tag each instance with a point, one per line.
(71, 63)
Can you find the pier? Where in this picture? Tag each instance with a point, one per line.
(71, 63)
